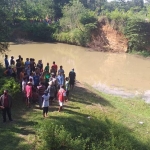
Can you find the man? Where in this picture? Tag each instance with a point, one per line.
(12, 62)
(47, 68)
(27, 63)
(51, 90)
(53, 71)
(61, 97)
(5, 104)
(60, 79)
(24, 83)
(36, 79)
(54, 66)
(41, 90)
(72, 76)
(61, 70)
(6, 61)
(18, 67)
(40, 65)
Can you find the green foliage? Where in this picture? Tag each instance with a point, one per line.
(78, 133)
(54, 137)
(11, 85)
(133, 25)
(36, 31)
(76, 24)
(75, 36)
(4, 47)
(8, 83)
(137, 32)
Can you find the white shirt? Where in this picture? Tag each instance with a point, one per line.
(30, 77)
(23, 86)
(45, 100)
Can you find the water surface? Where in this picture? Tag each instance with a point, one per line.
(104, 71)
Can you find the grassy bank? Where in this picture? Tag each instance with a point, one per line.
(91, 120)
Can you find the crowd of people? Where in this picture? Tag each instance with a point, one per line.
(38, 84)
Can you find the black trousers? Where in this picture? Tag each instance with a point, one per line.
(45, 110)
(7, 111)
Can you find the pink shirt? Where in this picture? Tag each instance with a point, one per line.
(28, 91)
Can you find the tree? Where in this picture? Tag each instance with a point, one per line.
(4, 25)
(139, 3)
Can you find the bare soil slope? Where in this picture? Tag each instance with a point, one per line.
(106, 39)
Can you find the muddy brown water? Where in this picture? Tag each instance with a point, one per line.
(112, 73)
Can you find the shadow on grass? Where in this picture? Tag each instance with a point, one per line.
(102, 132)
(83, 95)
(15, 135)
(97, 130)
(9, 140)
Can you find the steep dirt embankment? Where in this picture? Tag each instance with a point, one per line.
(106, 39)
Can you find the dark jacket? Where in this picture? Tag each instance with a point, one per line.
(9, 101)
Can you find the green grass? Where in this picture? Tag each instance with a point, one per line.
(113, 124)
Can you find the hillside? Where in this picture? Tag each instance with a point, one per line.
(107, 39)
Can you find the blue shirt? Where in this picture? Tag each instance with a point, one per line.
(36, 79)
(6, 62)
(27, 63)
(60, 80)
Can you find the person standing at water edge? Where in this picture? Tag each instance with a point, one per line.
(67, 87)
(47, 68)
(72, 76)
(61, 70)
(54, 66)
(6, 61)
(6, 103)
(61, 97)
(12, 62)
(60, 79)
(27, 63)
(18, 66)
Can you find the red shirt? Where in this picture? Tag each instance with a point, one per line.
(61, 95)
(6, 101)
(55, 67)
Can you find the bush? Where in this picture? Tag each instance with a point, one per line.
(40, 31)
(77, 133)
(11, 85)
(54, 137)
(137, 32)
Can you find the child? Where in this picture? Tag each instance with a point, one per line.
(28, 93)
(67, 87)
(61, 97)
(45, 104)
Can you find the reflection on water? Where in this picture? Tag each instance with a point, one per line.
(122, 71)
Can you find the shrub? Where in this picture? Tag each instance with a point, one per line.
(11, 85)
(40, 31)
(54, 137)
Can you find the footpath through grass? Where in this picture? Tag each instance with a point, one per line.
(91, 120)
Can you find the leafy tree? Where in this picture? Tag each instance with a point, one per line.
(4, 28)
